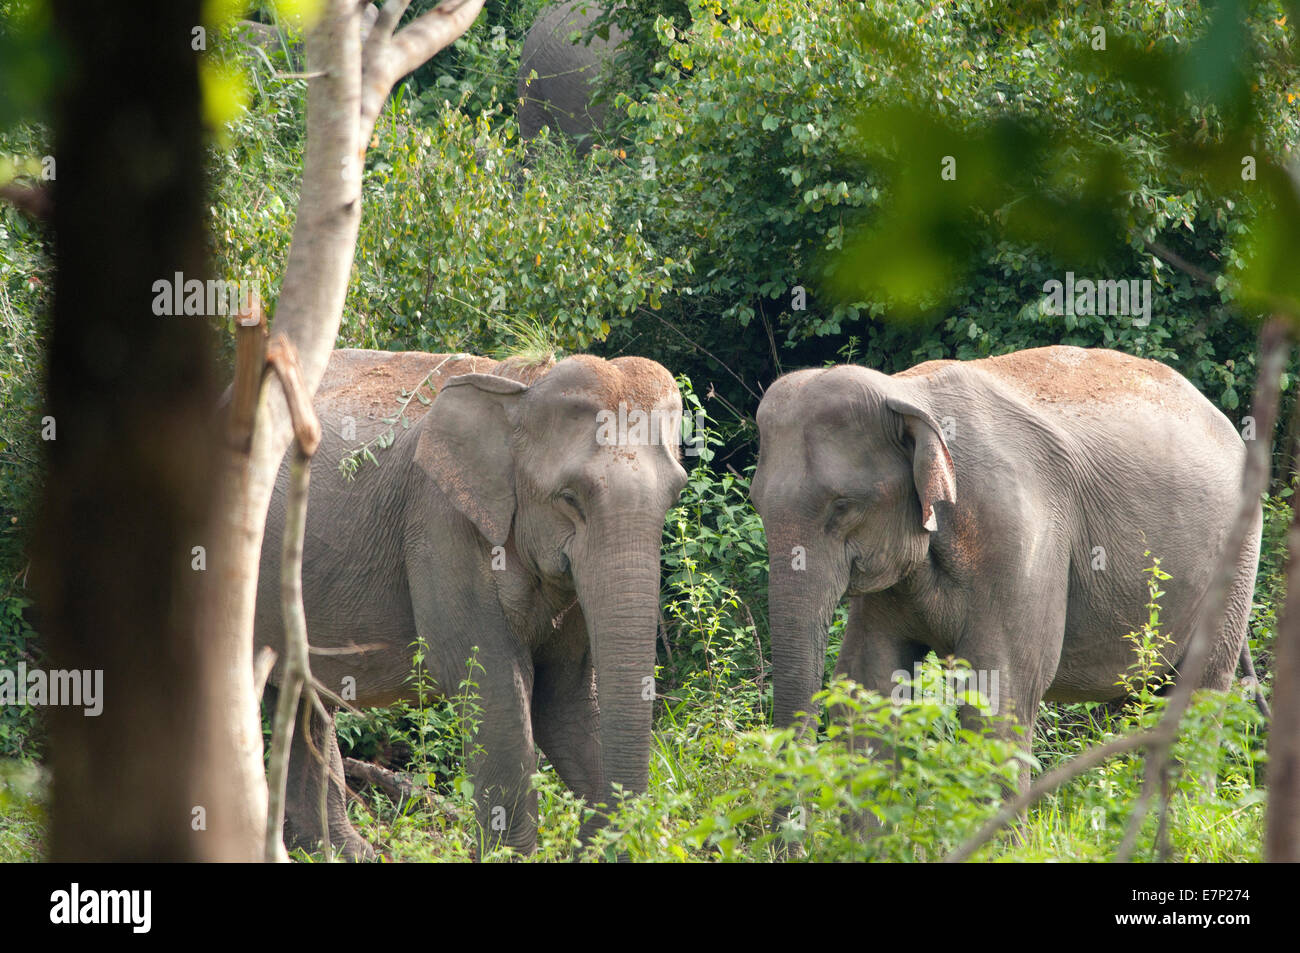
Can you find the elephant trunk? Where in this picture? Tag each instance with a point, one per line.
(618, 587)
(800, 607)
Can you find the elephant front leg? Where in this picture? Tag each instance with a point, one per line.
(503, 757)
(310, 766)
(873, 654)
(566, 719)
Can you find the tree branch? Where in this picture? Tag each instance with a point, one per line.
(250, 365)
(1178, 261)
(297, 678)
(32, 200)
(389, 56)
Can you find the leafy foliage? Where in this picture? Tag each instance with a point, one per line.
(462, 237)
(801, 146)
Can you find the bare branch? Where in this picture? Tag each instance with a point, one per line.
(262, 665)
(283, 360)
(385, 23)
(1282, 822)
(297, 680)
(296, 670)
(388, 56)
(250, 363)
(397, 786)
(1045, 785)
(1172, 257)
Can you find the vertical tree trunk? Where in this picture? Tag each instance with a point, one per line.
(129, 468)
(1282, 837)
(138, 474)
(309, 311)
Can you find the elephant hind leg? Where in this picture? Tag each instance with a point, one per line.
(302, 821)
(1230, 643)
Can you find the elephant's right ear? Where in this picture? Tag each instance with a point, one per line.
(465, 447)
(932, 469)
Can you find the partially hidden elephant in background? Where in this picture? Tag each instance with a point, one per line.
(505, 519)
(561, 95)
(996, 510)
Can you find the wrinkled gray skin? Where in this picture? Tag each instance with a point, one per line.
(507, 456)
(560, 96)
(1021, 465)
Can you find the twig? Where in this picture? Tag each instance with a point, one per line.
(297, 682)
(397, 786)
(345, 462)
(250, 365)
(1178, 261)
(700, 347)
(758, 646)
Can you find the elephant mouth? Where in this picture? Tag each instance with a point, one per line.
(864, 581)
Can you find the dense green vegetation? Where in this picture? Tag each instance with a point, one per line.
(744, 220)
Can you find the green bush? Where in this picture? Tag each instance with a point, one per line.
(767, 150)
(26, 275)
(462, 241)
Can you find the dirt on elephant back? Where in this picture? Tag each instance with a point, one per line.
(376, 382)
(1064, 374)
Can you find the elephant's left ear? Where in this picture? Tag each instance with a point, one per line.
(465, 447)
(932, 469)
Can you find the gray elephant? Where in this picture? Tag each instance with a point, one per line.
(561, 95)
(995, 510)
(509, 517)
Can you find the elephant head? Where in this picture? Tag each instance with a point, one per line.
(851, 473)
(573, 475)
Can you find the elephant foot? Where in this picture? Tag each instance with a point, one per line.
(344, 841)
(356, 849)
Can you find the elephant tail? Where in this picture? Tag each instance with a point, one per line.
(1248, 667)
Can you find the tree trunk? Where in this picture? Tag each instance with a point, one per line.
(309, 311)
(130, 394)
(1282, 838)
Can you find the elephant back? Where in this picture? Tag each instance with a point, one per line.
(560, 96)
(370, 385)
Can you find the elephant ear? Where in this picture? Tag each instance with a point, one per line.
(932, 469)
(465, 447)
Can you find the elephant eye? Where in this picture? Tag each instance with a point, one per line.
(844, 508)
(569, 498)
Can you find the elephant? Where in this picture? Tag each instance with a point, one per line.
(561, 95)
(507, 521)
(997, 510)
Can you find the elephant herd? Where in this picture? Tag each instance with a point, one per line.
(999, 510)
